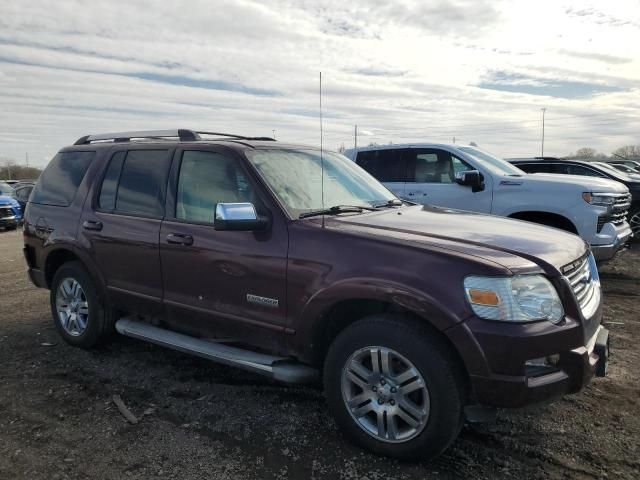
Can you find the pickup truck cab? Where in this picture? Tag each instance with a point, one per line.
(297, 264)
(468, 178)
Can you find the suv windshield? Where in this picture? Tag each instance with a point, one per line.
(5, 189)
(295, 178)
(496, 164)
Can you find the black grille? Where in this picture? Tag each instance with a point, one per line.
(6, 212)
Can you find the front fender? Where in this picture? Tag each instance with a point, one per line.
(313, 318)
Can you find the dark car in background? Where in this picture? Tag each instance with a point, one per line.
(592, 169)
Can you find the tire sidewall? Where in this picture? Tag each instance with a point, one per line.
(433, 361)
(95, 323)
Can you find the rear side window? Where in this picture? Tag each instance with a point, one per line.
(59, 182)
(135, 183)
(384, 165)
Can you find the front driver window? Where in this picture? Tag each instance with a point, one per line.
(206, 179)
(437, 167)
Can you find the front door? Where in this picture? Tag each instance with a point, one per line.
(220, 282)
(431, 180)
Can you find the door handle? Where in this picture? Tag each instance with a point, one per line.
(179, 239)
(411, 194)
(92, 225)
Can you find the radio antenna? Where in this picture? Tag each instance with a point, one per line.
(321, 156)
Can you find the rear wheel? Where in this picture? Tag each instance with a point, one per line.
(80, 315)
(394, 388)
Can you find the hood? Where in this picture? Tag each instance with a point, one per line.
(514, 244)
(7, 200)
(586, 183)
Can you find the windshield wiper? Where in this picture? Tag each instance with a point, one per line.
(336, 209)
(394, 202)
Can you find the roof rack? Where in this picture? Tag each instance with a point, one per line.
(183, 135)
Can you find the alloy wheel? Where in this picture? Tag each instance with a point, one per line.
(72, 307)
(385, 394)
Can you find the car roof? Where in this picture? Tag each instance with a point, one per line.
(406, 145)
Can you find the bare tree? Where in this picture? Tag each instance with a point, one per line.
(628, 151)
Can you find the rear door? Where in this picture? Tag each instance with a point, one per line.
(121, 225)
(387, 166)
(222, 282)
(431, 180)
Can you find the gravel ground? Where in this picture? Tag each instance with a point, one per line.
(198, 419)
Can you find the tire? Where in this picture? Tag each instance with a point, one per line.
(436, 377)
(89, 321)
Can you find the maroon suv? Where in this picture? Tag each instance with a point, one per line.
(297, 264)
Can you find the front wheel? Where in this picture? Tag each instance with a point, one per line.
(634, 222)
(394, 388)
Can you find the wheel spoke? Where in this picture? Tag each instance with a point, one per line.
(412, 386)
(408, 374)
(408, 419)
(375, 362)
(392, 427)
(83, 308)
(411, 408)
(363, 409)
(357, 380)
(359, 400)
(384, 360)
(360, 370)
(67, 289)
(382, 429)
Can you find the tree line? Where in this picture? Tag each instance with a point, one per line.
(10, 170)
(630, 152)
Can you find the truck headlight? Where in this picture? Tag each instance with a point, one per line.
(601, 199)
(521, 298)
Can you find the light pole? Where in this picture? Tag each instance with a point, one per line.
(274, 134)
(543, 112)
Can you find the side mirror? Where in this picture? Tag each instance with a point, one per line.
(238, 217)
(470, 178)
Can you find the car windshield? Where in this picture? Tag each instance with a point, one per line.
(5, 189)
(493, 163)
(295, 178)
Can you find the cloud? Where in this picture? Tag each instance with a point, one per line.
(600, 57)
(399, 69)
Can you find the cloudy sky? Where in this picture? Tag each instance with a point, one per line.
(403, 71)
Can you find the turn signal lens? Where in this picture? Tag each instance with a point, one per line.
(483, 297)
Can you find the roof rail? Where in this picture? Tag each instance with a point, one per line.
(183, 134)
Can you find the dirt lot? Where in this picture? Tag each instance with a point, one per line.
(202, 420)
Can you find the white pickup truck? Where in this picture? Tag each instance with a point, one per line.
(468, 178)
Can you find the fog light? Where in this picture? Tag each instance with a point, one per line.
(549, 361)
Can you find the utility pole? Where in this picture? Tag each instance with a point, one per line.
(355, 137)
(26, 158)
(454, 139)
(543, 112)
(274, 134)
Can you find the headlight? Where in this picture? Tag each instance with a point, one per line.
(521, 298)
(602, 199)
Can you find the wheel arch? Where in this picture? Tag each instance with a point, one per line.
(550, 219)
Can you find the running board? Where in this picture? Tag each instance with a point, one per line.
(279, 368)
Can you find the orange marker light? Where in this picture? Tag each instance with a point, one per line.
(483, 297)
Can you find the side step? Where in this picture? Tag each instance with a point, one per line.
(279, 368)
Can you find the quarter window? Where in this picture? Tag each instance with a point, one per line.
(206, 179)
(59, 182)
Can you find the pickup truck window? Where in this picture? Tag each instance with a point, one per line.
(387, 165)
(435, 166)
(493, 163)
(206, 179)
(294, 176)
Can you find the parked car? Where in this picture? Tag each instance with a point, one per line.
(411, 315)
(469, 178)
(21, 192)
(591, 169)
(10, 211)
(633, 164)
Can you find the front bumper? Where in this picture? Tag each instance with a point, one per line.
(606, 252)
(11, 221)
(570, 374)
